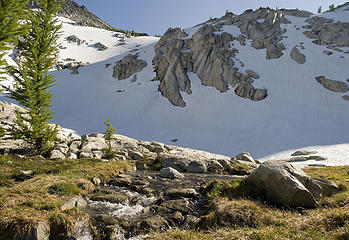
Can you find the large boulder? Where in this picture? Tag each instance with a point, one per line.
(245, 156)
(128, 66)
(170, 173)
(283, 184)
(297, 56)
(335, 86)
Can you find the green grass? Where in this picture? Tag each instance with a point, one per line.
(232, 216)
(40, 198)
(64, 188)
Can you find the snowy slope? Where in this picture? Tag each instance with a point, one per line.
(298, 112)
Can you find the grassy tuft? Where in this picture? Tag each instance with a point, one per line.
(64, 188)
(40, 198)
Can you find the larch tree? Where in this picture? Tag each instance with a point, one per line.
(33, 81)
(11, 12)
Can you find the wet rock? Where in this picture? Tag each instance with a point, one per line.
(303, 152)
(335, 86)
(180, 205)
(120, 182)
(128, 66)
(154, 223)
(72, 202)
(111, 198)
(171, 173)
(283, 184)
(297, 56)
(181, 193)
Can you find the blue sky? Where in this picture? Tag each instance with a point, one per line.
(156, 16)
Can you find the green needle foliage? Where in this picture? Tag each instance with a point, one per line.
(109, 137)
(11, 11)
(32, 80)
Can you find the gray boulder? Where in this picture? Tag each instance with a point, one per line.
(297, 56)
(197, 166)
(329, 188)
(335, 86)
(245, 156)
(100, 46)
(72, 202)
(303, 152)
(181, 193)
(285, 185)
(128, 66)
(170, 173)
(75, 39)
(56, 155)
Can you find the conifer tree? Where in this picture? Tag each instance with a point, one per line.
(11, 11)
(32, 80)
(319, 10)
(109, 136)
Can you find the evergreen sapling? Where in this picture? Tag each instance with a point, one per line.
(109, 137)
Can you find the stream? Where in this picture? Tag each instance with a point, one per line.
(133, 204)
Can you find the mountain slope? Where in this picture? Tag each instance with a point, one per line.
(297, 112)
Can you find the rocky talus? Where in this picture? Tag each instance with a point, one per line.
(81, 16)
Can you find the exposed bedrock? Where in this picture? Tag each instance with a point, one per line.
(210, 53)
(325, 31)
(128, 66)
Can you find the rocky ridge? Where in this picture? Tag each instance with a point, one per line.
(210, 53)
(81, 16)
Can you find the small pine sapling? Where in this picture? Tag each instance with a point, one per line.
(109, 137)
(319, 10)
(331, 7)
